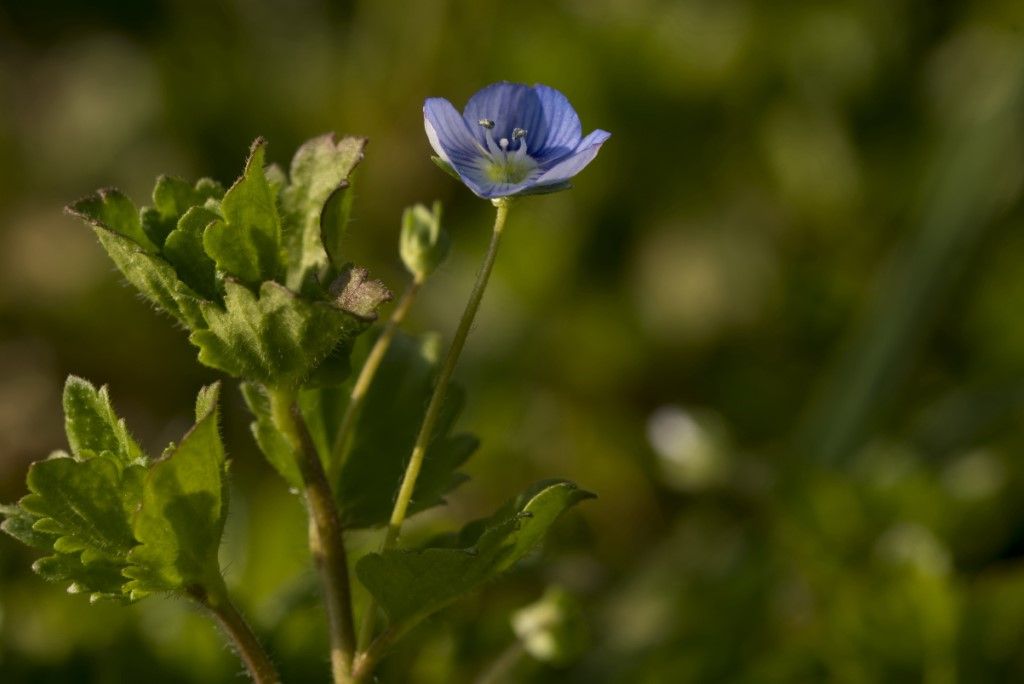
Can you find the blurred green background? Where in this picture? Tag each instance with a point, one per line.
(778, 325)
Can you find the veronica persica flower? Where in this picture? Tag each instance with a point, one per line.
(512, 139)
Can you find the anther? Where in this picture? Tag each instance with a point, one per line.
(486, 123)
(518, 133)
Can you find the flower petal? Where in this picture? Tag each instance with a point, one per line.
(567, 167)
(475, 178)
(509, 106)
(448, 133)
(561, 130)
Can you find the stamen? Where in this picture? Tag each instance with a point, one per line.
(492, 146)
(521, 152)
(486, 123)
(518, 133)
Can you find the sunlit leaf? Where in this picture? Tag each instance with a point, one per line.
(410, 584)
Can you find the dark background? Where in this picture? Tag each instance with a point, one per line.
(778, 326)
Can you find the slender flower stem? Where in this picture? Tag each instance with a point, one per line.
(362, 385)
(245, 643)
(419, 449)
(326, 539)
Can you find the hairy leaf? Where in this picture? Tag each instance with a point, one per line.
(184, 251)
(172, 198)
(246, 243)
(92, 426)
(320, 168)
(154, 278)
(276, 339)
(411, 584)
(111, 210)
(80, 511)
(184, 506)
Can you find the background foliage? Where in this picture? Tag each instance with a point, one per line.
(777, 326)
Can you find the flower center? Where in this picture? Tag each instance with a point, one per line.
(506, 161)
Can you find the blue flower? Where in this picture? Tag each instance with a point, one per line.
(511, 140)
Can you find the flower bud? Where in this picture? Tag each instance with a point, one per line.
(423, 244)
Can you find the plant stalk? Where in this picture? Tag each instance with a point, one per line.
(326, 538)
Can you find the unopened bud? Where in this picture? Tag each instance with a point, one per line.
(423, 244)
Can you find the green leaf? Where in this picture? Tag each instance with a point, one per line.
(271, 442)
(89, 504)
(20, 524)
(184, 251)
(320, 168)
(409, 585)
(172, 198)
(247, 242)
(384, 433)
(81, 512)
(111, 210)
(92, 426)
(101, 579)
(184, 506)
(276, 339)
(153, 277)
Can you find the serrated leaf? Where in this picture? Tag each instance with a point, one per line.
(20, 524)
(320, 168)
(386, 429)
(247, 242)
(172, 198)
(184, 250)
(92, 426)
(80, 512)
(409, 585)
(184, 506)
(88, 503)
(276, 339)
(111, 210)
(101, 579)
(271, 442)
(153, 277)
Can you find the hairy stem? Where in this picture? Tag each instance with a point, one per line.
(419, 450)
(244, 641)
(362, 385)
(326, 539)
